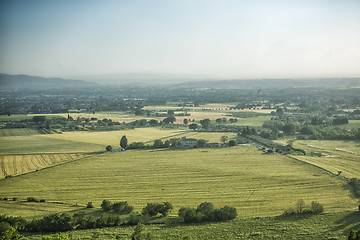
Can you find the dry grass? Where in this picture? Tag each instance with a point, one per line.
(254, 183)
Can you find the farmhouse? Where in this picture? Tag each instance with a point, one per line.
(188, 142)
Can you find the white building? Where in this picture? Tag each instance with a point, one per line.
(188, 142)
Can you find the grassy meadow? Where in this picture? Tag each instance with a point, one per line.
(17, 164)
(256, 184)
(335, 155)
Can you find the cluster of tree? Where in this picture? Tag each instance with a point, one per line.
(301, 208)
(65, 222)
(32, 199)
(7, 232)
(118, 207)
(355, 184)
(353, 235)
(206, 212)
(153, 209)
(225, 120)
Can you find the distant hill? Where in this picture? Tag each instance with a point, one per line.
(22, 81)
(274, 83)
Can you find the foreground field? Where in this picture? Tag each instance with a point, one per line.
(318, 227)
(255, 183)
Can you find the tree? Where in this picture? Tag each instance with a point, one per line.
(139, 111)
(316, 207)
(158, 144)
(224, 139)
(171, 113)
(201, 142)
(89, 205)
(232, 143)
(151, 209)
(106, 205)
(300, 205)
(289, 129)
(153, 122)
(10, 233)
(193, 126)
(169, 119)
(166, 209)
(167, 144)
(218, 120)
(205, 123)
(123, 142)
(109, 148)
(186, 121)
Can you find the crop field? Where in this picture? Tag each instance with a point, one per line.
(113, 137)
(336, 156)
(16, 164)
(18, 132)
(256, 184)
(44, 144)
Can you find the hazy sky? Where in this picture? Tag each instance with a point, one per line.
(194, 38)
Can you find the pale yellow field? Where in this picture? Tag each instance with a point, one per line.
(336, 155)
(17, 164)
(113, 137)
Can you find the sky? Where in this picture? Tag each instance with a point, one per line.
(199, 39)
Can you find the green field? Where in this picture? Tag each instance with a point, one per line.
(256, 184)
(336, 155)
(44, 144)
(18, 132)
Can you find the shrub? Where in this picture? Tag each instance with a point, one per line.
(206, 212)
(191, 216)
(42, 200)
(109, 148)
(89, 205)
(232, 143)
(151, 209)
(316, 207)
(135, 219)
(122, 207)
(14, 198)
(166, 209)
(225, 213)
(31, 199)
(106, 205)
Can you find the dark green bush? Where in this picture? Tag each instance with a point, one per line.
(31, 199)
(89, 205)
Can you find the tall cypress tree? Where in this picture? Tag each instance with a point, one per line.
(123, 142)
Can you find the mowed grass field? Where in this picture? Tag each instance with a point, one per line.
(22, 154)
(336, 156)
(16, 164)
(256, 184)
(18, 132)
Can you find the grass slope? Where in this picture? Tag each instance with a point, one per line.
(17, 164)
(336, 155)
(318, 227)
(256, 184)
